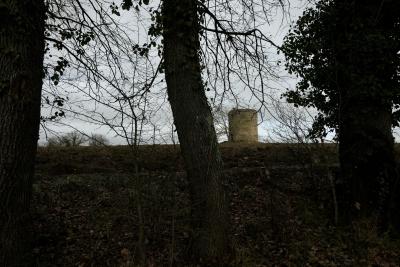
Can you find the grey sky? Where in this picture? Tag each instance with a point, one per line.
(276, 30)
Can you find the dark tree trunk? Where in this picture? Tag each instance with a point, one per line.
(366, 146)
(367, 160)
(194, 123)
(21, 68)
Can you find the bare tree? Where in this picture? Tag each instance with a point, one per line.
(105, 75)
(221, 122)
(194, 123)
(292, 124)
(98, 140)
(71, 139)
(53, 142)
(207, 36)
(221, 52)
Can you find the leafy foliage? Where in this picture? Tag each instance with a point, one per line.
(314, 50)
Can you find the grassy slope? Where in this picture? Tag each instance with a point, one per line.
(86, 208)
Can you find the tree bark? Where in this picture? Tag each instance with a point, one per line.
(194, 124)
(366, 145)
(367, 160)
(21, 70)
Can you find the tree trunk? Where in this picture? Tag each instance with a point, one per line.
(366, 145)
(194, 123)
(367, 160)
(21, 69)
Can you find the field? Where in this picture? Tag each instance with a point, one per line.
(90, 208)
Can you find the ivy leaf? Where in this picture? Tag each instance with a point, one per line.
(127, 4)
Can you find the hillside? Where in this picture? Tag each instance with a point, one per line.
(87, 202)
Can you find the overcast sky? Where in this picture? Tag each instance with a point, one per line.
(276, 30)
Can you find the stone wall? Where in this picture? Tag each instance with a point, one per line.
(243, 125)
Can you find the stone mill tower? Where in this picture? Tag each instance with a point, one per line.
(243, 125)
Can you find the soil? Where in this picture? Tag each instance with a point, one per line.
(86, 205)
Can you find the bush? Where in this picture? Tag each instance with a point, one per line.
(98, 140)
(72, 139)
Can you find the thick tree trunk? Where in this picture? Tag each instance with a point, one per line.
(21, 68)
(194, 123)
(366, 145)
(367, 160)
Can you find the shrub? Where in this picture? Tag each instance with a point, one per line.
(72, 139)
(98, 140)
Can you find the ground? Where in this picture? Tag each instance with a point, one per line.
(90, 208)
